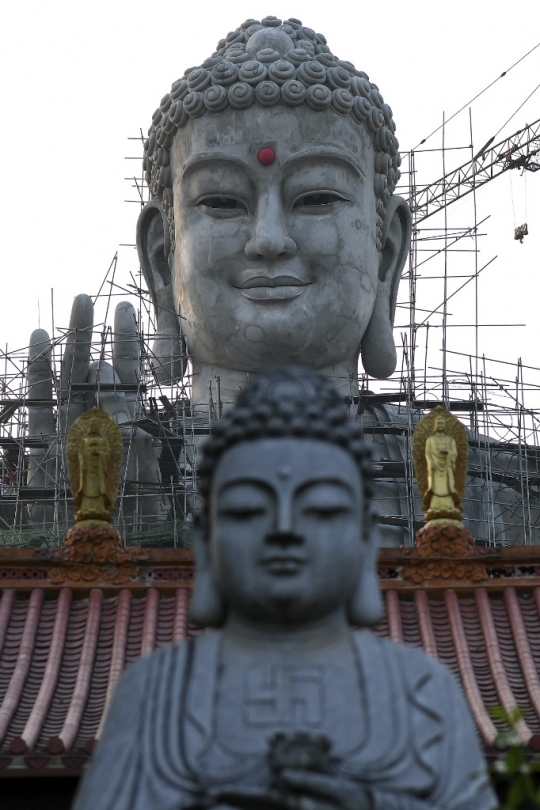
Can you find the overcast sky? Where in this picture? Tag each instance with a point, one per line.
(79, 78)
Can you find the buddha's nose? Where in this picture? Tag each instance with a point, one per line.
(284, 534)
(270, 237)
(284, 526)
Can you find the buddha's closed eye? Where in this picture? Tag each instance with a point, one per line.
(242, 512)
(326, 512)
(222, 203)
(318, 199)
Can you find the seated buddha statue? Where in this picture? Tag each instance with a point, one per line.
(290, 702)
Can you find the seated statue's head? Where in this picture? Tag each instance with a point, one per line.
(286, 534)
(274, 230)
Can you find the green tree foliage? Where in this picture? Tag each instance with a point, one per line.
(515, 778)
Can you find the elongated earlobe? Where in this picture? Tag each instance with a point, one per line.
(206, 608)
(153, 246)
(378, 349)
(365, 608)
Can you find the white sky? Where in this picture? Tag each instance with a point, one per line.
(79, 78)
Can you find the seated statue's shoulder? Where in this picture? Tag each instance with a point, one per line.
(156, 667)
(429, 718)
(144, 682)
(157, 674)
(412, 666)
(147, 699)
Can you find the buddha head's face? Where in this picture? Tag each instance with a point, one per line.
(286, 529)
(274, 262)
(292, 254)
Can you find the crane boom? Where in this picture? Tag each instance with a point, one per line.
(520, 151)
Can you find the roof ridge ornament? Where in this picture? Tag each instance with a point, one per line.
(93, 552)
(445, 548)
(94, 457)
(440, 453)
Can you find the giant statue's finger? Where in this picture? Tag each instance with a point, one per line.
(78, 343)
(40, 384)
(126, 351)
(75, 361)
(41, 425)
(126, 343)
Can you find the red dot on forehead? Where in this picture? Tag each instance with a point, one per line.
(266, 155)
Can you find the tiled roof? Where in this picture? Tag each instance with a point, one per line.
(62, 649)
(491, 641)
(61, 658)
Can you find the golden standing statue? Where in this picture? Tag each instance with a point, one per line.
(94, 456)
(440, 451)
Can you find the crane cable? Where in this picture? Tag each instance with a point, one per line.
(512, 196)
(516, 111)
(480, 94)
(523, 172)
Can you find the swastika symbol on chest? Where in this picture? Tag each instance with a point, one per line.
(283, 696)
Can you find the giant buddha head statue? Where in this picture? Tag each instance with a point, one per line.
(273, 234)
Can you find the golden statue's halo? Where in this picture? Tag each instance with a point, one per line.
(95, 423)
(454, 430)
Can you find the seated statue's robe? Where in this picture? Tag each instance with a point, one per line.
(417, 750)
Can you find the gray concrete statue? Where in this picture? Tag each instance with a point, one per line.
(273, 231)
(273, 236)
(286, 705)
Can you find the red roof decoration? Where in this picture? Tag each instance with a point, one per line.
(63, 648)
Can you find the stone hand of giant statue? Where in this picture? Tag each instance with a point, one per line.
(287, 705)
(75, 391)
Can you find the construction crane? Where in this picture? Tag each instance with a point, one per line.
(520, 151)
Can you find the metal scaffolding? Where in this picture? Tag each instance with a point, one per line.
(498, 401)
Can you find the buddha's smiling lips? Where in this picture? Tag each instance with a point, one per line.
(277, 288)
(283, 564)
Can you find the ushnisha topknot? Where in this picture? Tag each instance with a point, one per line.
(281, 402)
(271, 62)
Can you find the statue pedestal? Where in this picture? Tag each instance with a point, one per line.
(444, 550)
(444, 539)
(93, 542)
(93, 552)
